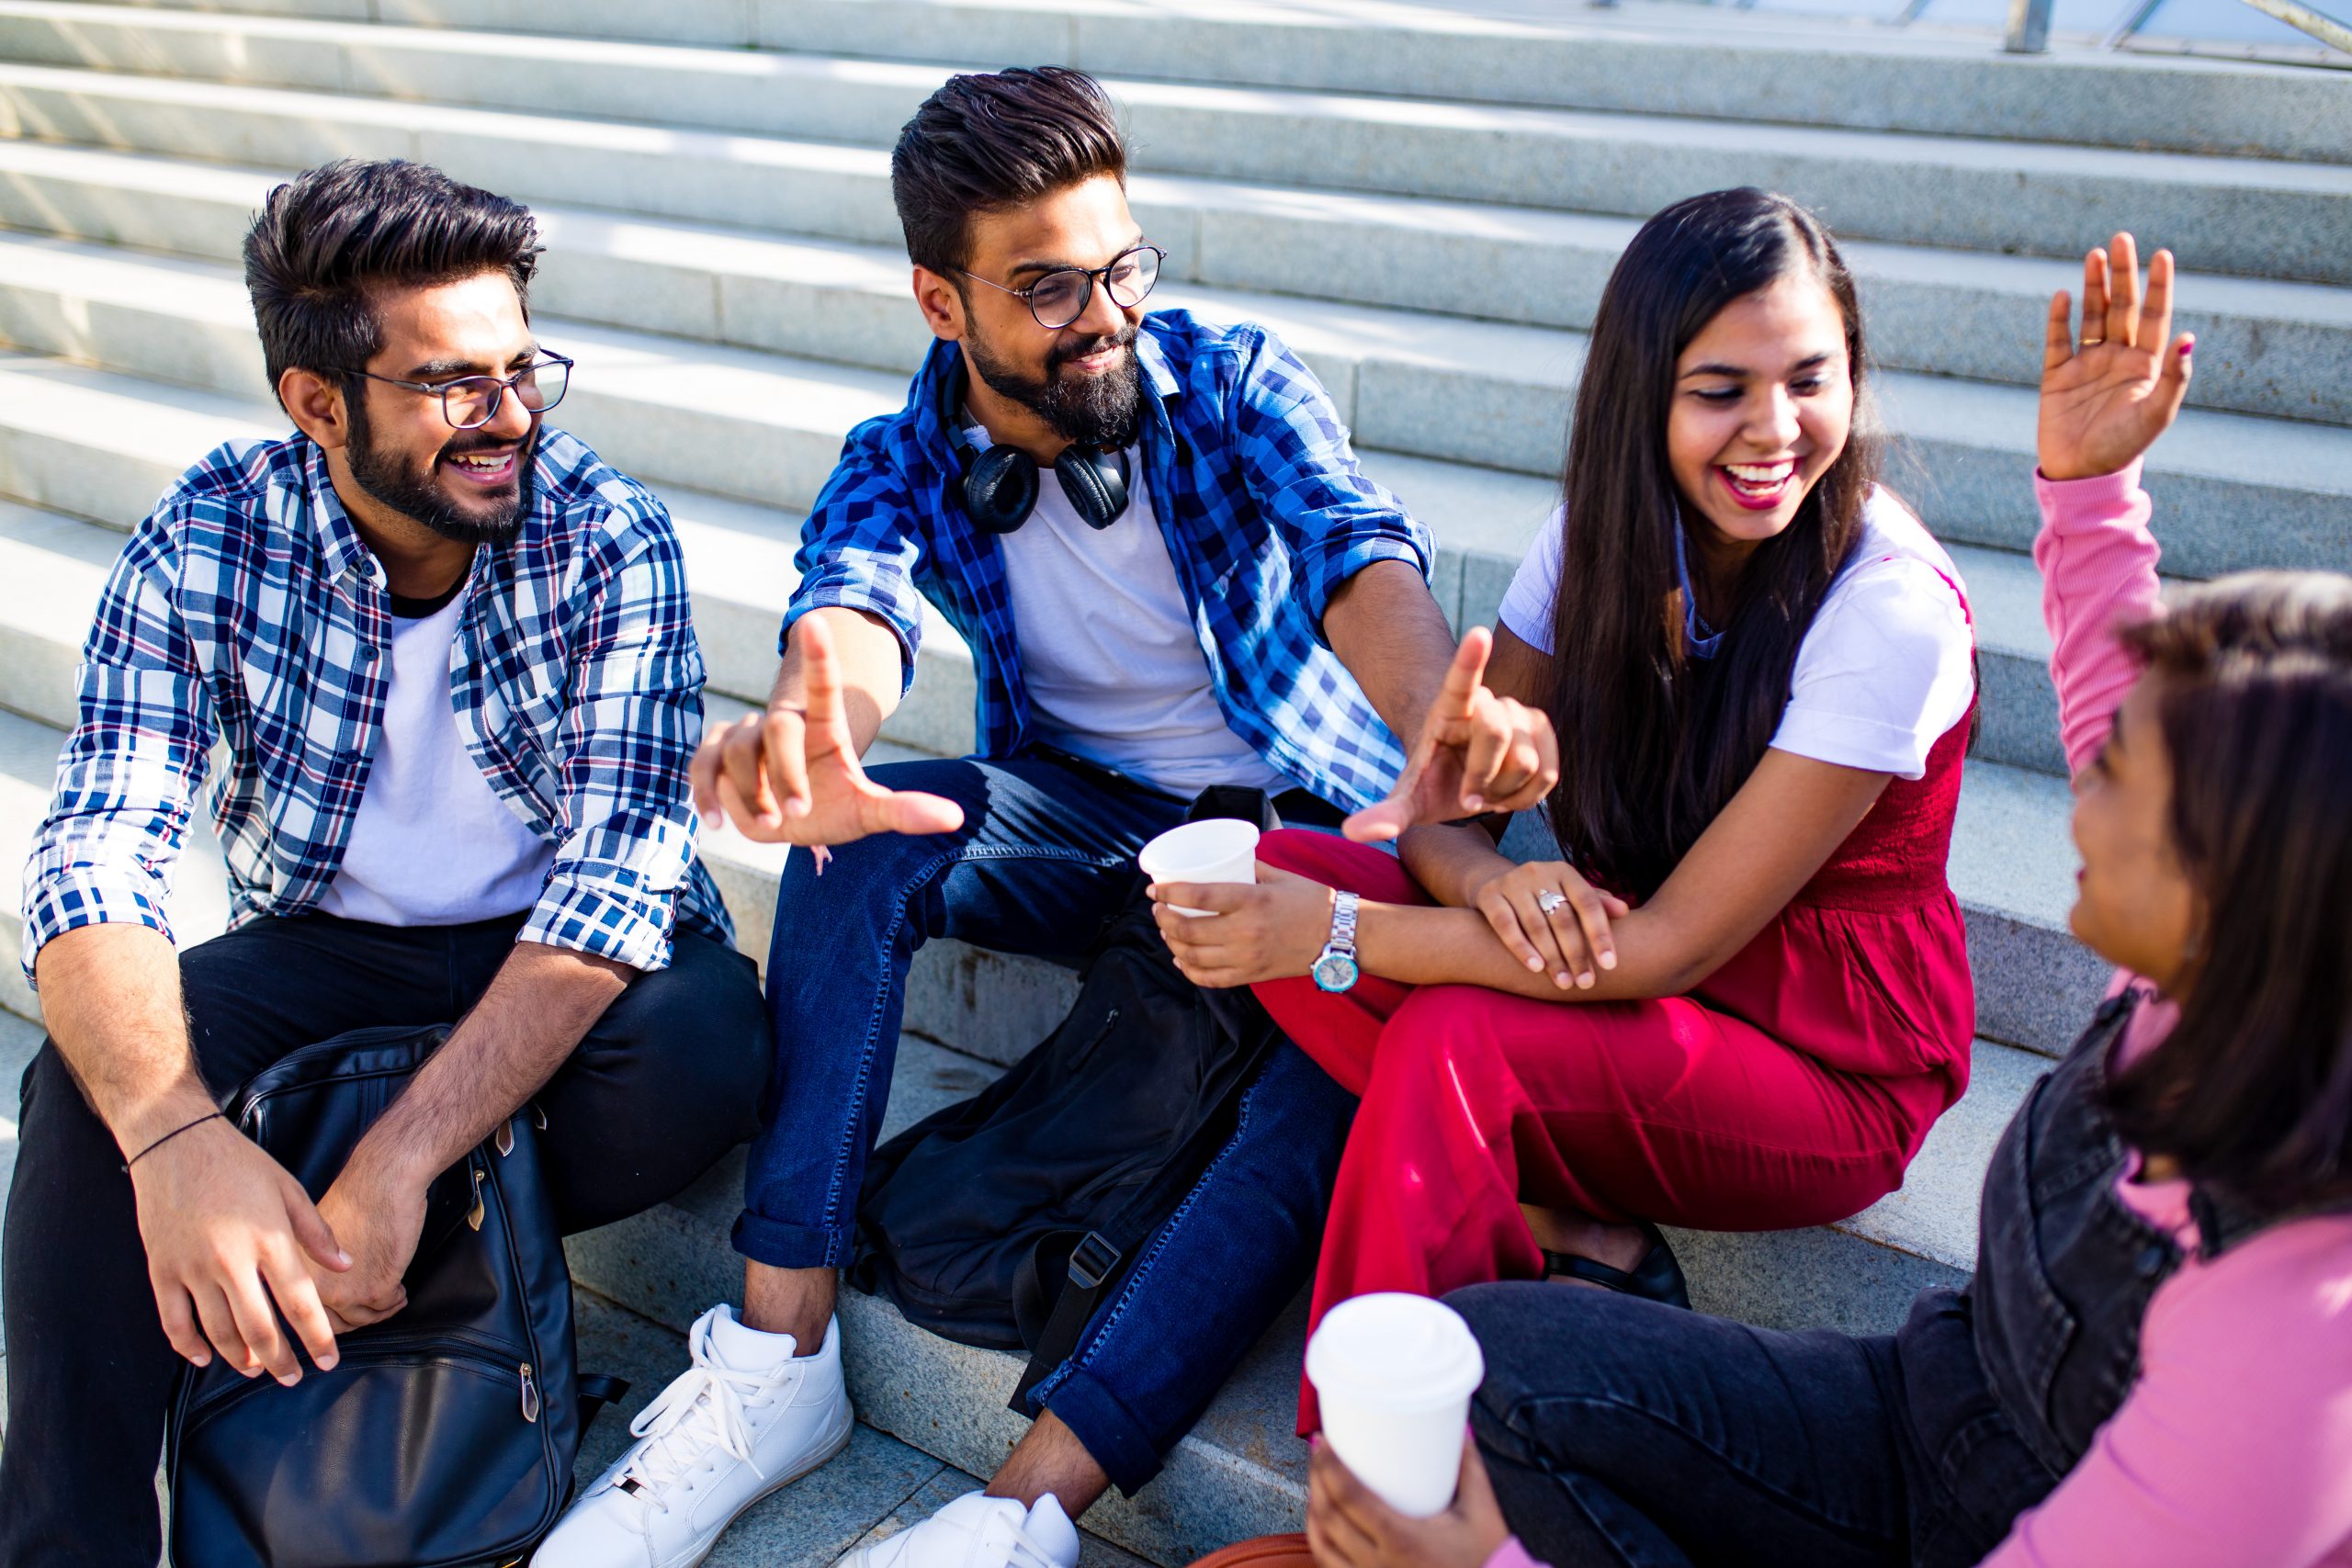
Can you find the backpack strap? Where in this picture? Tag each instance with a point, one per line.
(1102, 1256)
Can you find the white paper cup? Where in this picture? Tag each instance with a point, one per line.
(1394, 1374)
(1216, 848)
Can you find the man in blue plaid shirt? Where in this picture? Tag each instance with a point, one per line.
(1153, 536)
(444, 655)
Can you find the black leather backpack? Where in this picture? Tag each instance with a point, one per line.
(1004, 1220)
(445, 1435)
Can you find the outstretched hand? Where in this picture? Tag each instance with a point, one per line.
(1477, 753)
(791, 774)
(2105, 401)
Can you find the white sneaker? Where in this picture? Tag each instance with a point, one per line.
(979, 1532)
(713, 1443)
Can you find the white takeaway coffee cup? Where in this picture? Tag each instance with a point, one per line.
(1215, 849)
(1394, 1374)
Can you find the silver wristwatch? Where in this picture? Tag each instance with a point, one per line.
(1335, 966)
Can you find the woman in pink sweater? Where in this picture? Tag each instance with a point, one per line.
(2154, 1363)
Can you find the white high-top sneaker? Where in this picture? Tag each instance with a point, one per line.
(979, 1532)
(713, 1443)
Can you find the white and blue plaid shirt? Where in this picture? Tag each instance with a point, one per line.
(247, 611)
(1265, 511)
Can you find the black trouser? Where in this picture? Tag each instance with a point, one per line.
(1626, 1434)
(668, 1080)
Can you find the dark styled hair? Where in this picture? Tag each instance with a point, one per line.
(326, 239)
(984, 144)
(2252, 1090)
(1653, 742)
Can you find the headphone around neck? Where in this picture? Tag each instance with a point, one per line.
(1001, 484)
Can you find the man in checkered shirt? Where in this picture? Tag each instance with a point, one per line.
(1152, 535)
(443, 654)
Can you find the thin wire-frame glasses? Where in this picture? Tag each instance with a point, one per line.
(472, 401)
(1060, 297)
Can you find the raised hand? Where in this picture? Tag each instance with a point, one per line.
(1477, 753)
(791, 774)
(2105, 401)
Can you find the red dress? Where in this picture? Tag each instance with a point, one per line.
(1791, 1087)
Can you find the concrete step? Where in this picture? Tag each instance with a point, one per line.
(2010, 863)
(1648, 57)
(1240, 1473)
(103, 445)
(2279, 349)
(2237, 491)
(2251, 217)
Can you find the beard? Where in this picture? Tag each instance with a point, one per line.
(409, 488)
(1104, 410)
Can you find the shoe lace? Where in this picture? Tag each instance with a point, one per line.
(703, 1408)
(1024, 1551)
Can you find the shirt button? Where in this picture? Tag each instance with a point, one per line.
(366, 653)
(2153, 1260)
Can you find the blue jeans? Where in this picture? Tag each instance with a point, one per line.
(1042, 863)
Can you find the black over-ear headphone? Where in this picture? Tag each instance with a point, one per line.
(1001, 484)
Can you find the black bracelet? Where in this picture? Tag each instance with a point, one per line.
(209, 1116)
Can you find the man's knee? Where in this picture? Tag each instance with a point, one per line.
(703, 1020)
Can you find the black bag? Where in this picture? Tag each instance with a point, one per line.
(445, 1435)
(1002, 1221)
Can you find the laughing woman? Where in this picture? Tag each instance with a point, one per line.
(2153, 1365)
(1741, 997)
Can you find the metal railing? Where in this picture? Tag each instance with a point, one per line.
(2028, 25)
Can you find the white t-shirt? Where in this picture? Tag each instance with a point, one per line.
(431, 845)
(1884, 670)
(1108, 654)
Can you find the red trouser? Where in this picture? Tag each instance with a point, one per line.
(1474, 1100)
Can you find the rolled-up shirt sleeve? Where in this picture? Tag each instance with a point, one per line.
(858, 549)
(628, 736)
(128, 776)
(1302, 474)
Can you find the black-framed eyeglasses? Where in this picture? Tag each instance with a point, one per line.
(1061, 296)
(472, 401)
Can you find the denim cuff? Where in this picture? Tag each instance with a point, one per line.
(780, 1246)
(1112, 1435)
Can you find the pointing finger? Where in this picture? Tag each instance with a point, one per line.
(820, 680)
(1457, 696)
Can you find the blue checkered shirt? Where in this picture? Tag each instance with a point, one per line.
(1265, 513)
(247, 610)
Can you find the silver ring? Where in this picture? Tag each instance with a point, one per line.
(1550, 899)
(2093, 341)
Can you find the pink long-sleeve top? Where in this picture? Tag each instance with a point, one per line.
(2235, 1448)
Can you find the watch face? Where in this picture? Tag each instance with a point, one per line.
(1335, 971)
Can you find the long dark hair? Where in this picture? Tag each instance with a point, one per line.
(2252, 1090)
(1653, 743)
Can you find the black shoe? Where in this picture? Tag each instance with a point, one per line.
(1656, 1278)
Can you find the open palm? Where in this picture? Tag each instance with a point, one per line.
(2105, 401)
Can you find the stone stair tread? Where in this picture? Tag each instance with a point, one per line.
(740, 551)
(1238, 1472)
(882, 265)
(55, 566)
(781, 76)
(1357, 348)
(1866, 181)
